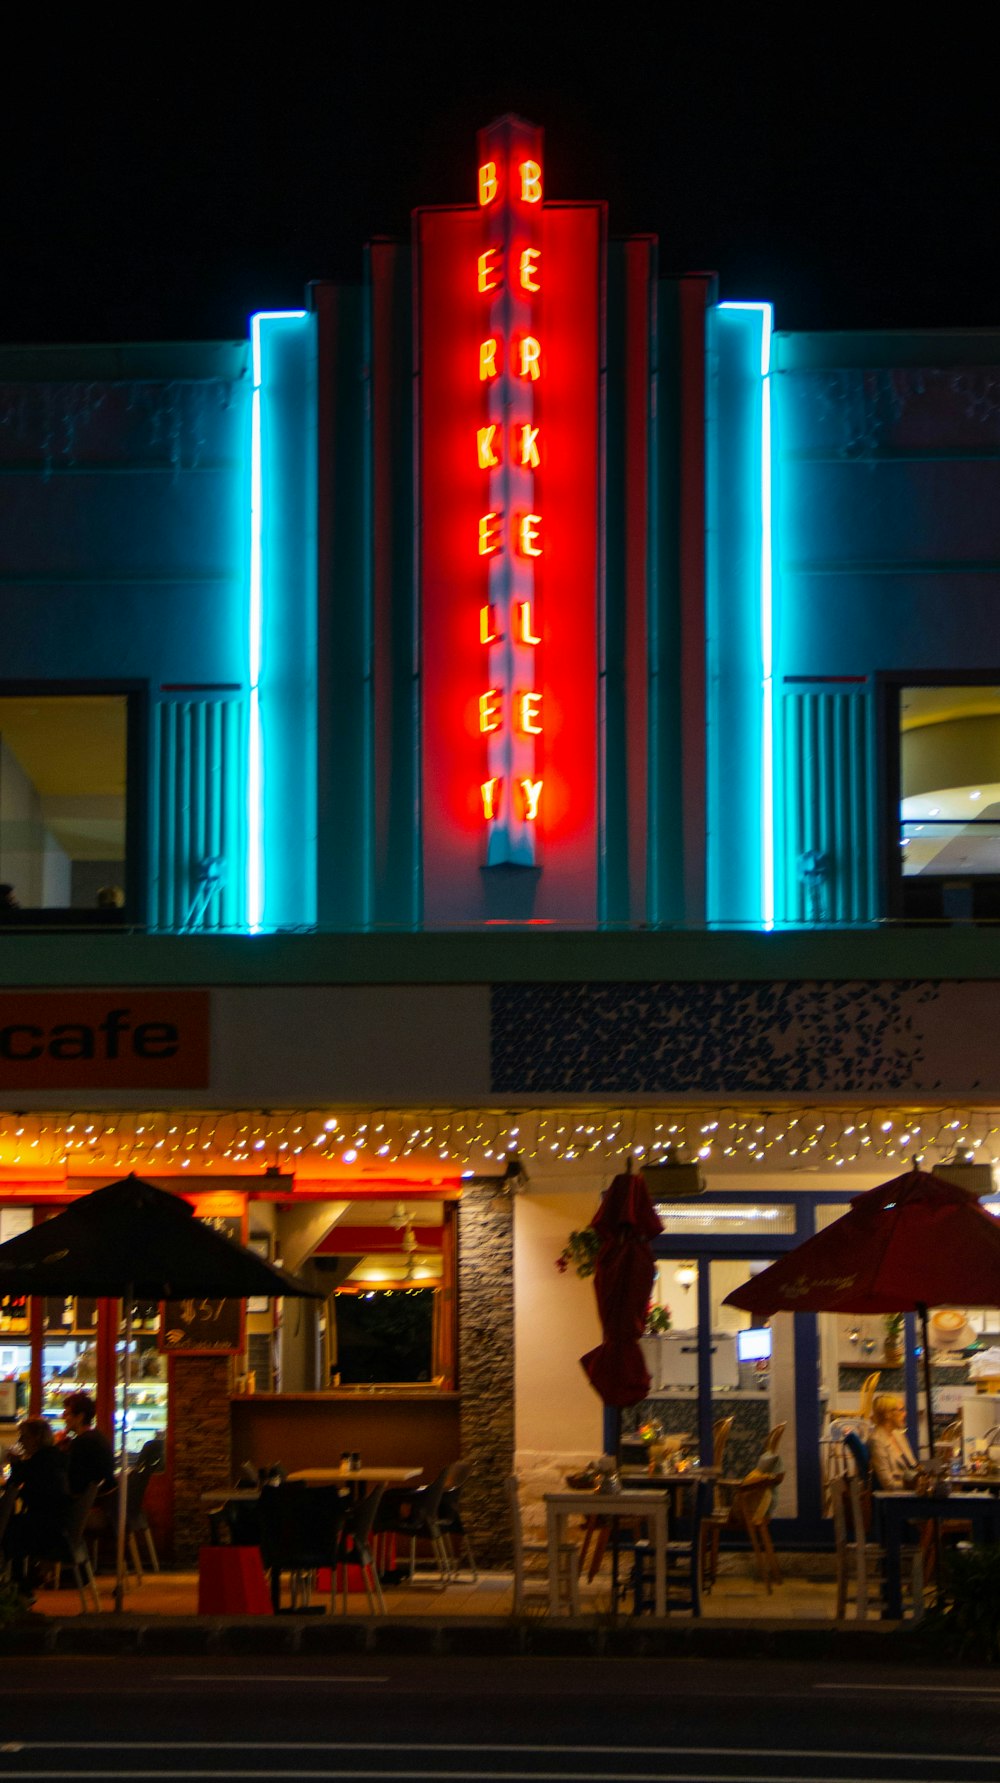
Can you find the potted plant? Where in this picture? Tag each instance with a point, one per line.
(579, 1252)
(657, 1321)
(892, 1339)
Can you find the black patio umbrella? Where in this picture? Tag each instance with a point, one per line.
(136, 1242)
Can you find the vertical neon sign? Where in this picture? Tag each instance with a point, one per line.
(509, 338)
(509, 277)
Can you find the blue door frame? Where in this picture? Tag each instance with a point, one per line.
(809, 1527)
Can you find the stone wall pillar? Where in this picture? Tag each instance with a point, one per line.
(199, 1411)
(486, 1363)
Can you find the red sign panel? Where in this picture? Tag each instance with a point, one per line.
(509, 338)
(108, 1040)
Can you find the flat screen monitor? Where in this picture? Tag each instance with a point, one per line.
(754, 1345)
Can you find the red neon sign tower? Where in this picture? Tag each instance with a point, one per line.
(509, 356)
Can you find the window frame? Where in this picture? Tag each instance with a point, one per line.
(136, 695)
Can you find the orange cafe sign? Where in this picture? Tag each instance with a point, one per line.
(510, 324)
(121, 1039)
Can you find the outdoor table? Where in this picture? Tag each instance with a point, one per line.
(674, 1480)
(336, 1476)
(892, 1512)
(651, 1507)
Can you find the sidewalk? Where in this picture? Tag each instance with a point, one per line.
(739, 1617)
(734, 1597)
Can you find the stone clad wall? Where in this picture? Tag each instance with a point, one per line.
(486, 1363)
(199, 1400)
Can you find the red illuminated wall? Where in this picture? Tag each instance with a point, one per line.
(454, 492)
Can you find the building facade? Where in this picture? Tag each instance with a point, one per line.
(514, 714)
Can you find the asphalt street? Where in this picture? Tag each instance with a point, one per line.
(598, 1721)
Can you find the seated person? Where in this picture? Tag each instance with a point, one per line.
(87, 1450)
(38, 1472)
(893, 1462)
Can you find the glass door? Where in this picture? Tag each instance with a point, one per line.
(752, 1382)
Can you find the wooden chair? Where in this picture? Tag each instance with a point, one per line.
(683, 1564)
(860, 1561)
(869, 1388)
(531, 1562)
(747, 1510)
(720, 1440)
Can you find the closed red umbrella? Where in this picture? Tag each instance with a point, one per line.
(625, 1222)
(915, 1242)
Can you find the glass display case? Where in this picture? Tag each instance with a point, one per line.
(148, 1386)
(15, 1358)
(69, 1353)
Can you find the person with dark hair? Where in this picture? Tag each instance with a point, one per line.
(9, 903)
(38, 1471)
(88, 1453)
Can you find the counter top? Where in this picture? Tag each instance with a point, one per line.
(350, 1396)
(690, 1394)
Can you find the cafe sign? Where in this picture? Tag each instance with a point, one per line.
(107, 1040)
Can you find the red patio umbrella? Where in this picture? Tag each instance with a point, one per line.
(625, 1222)
(915, 1242)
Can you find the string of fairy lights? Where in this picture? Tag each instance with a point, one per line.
(249, 1141)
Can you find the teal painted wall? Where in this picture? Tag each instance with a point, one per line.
(887, 544)
(123, 558)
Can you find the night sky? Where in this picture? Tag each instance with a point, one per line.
(154, 187)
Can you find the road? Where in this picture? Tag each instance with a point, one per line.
(543, 1720)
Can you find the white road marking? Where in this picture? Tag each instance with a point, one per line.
(476, 1776)
(270, 1678)
(919, 1689)
(450, 1746)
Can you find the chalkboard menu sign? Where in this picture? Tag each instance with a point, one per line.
(200, 1327)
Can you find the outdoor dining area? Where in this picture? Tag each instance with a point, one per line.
(676, 1533)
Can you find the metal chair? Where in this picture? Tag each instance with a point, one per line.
(415, 1515)
(354, 1548)
(450, 1519)
(8, 1499)
(71, 1548)
(300, 1531)
(103, 1522)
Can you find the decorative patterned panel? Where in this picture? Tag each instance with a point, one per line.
(198, 821)
(825, 831)
(791, 1037)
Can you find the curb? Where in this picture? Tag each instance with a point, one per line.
(484, 1637)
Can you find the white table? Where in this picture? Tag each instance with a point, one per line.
(651, 1507)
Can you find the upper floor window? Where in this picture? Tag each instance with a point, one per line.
(63, 806)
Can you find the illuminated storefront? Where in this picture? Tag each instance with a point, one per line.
(501, 700)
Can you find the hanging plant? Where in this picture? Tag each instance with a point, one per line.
(579, 1252)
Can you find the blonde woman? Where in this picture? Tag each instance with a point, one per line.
(893, 1461)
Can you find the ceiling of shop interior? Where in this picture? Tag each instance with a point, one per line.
(72, 747)
(939, 705)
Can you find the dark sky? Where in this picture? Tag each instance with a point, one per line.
(160, 187)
